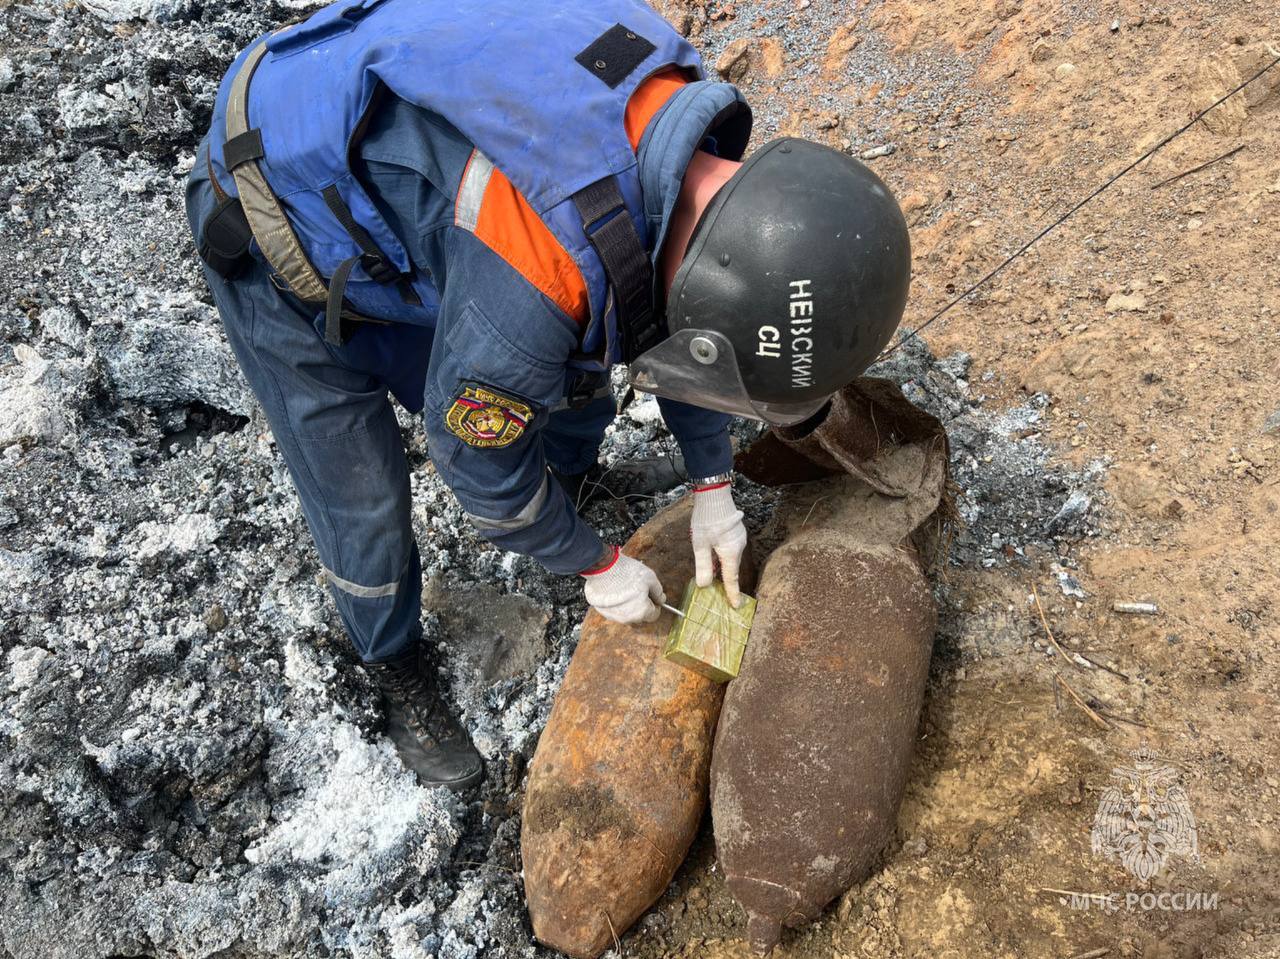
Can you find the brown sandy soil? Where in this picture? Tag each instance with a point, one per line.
(1172, 382)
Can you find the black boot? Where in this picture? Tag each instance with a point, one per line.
(430, 741)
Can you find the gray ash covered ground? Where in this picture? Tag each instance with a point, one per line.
(192, 763)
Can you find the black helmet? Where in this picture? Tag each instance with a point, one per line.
(794, 280)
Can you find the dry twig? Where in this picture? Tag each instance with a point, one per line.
(1072, 892)
(1103, 666)
(1197, 169)
(1066, 686)
(1089, 711)
(811, 509)
(617, 944)
(1123, 719)
(1045, 623)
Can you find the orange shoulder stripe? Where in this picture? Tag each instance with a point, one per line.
(508, 225)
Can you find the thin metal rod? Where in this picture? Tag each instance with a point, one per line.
(683, 615)
(1066, 216)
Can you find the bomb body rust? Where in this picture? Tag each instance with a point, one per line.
(815, 738)
(618, 784)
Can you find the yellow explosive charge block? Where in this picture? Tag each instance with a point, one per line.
(711, 636)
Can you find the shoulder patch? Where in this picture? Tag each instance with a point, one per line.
(483, 417)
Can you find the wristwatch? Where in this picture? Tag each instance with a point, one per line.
(720, 479)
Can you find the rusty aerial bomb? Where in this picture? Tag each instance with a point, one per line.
(619, 780)
(815, 738)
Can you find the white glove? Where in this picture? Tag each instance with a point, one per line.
(716, 527)
(625, 590)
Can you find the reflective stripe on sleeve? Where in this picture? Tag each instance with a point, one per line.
(475, 180)
(521, 520)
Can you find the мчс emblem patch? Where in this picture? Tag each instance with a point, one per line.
(483, 417)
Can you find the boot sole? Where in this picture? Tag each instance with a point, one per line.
(456, 785)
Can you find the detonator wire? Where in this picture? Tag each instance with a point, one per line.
(1071, 212)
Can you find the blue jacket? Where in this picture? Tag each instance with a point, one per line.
(495, 327)
(486, 96)
(517, 78)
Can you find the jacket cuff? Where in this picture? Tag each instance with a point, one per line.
(566, 544)
(583, 550)
(708, 456)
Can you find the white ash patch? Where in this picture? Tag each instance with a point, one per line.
(186, 534)
(32, 401)
(84, 110)
(363, 805)
(23, 667)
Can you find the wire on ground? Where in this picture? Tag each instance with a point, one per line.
(1071, 212)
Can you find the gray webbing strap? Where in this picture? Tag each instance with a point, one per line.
(276, 239)
(374, 261)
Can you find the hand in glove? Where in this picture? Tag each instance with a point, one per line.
(624, 590)
(717, 531)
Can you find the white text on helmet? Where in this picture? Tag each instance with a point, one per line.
(770, 343)
(801, 310)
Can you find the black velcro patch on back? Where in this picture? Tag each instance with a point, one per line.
(615, 53)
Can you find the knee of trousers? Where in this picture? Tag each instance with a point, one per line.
(361, 523)
(354, 492)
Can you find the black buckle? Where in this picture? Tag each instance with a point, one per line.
(380, 269)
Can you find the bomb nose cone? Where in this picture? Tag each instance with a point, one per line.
(763, 932)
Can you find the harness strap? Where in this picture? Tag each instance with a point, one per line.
(271, 228)
(608, 227)
(333, 305)
(219, 194)
(374, 261)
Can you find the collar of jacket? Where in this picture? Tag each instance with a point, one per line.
(703, 113)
